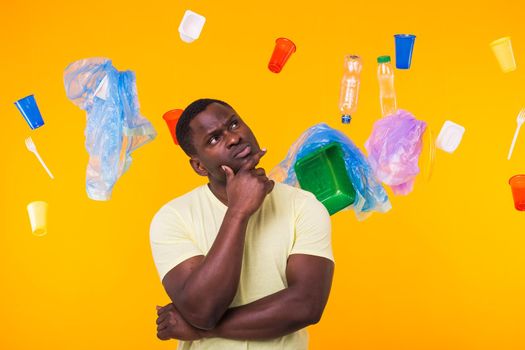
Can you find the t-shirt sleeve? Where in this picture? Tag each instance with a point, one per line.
(171, 241)
(313, 229)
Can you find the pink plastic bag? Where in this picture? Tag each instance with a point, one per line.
(394, 148)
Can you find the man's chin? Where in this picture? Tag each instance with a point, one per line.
(237, 163)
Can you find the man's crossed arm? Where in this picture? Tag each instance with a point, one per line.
(295, 307)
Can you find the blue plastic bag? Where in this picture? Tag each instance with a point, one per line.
(393, 150)
(370, 195)
(115, 127)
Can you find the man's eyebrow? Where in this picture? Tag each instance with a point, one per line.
(210, 133)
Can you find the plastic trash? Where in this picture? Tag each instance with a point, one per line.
(404, 49)
(517, 185)
(349, 90)
(519, 122)
(427, 158)
(323, 172)
(30, 145)
(282, 51)
(29, 109)
(387, 92)
(171, 118)
(393, 149)
(190, 27)
(502, 48)
(370, 195)
(450, 136)
(115, 127)
(37, 212)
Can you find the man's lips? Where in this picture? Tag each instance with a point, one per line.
(245, 150)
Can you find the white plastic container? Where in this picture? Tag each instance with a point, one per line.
(191, 26)
(450, 136)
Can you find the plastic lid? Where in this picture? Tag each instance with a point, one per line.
(346, 118)
(383, 59)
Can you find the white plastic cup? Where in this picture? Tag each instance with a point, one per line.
(191, 26)
(38, 217)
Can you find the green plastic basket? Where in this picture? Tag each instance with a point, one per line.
(323, 172)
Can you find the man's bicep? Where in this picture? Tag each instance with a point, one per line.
(176, 278)
(310, 271)
(312, 277)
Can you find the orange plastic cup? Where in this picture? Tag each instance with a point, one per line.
(171, 118)
(282, 51)
(517, 183)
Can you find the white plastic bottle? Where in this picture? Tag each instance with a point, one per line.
(387, 93)
(350, 87)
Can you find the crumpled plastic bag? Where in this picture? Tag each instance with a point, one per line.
(393, 150)
(115, 127)
(370, 195)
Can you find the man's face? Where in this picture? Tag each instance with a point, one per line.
(220, 137)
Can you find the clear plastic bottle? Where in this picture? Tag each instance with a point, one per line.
(350, 87)
(387, 93)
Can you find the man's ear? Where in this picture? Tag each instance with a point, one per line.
(198, 167)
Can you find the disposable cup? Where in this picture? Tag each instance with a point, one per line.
(282, 51)
(29, 109)
(502, 48)
(38, 217)
(404, 49)
(171, 118)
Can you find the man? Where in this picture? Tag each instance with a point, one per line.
(246, 262)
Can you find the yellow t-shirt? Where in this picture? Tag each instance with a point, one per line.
(290, 221)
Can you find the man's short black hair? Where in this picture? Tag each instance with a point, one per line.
(183, 131)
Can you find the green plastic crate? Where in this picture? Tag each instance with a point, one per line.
(323, 172)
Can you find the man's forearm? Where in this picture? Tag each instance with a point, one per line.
(273, 316)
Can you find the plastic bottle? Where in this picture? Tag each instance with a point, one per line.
(387, 93)
(350, 87)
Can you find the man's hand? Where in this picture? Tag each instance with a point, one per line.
(247, 188)
(171, 325)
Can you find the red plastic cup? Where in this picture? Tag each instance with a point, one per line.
(171, 118)
(517, 183)
(282, 51)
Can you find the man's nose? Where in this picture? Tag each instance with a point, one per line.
(232, 138)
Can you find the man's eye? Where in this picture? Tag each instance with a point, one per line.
(213, 140)
(234, 124)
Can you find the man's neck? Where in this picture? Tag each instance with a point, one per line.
(219, 191)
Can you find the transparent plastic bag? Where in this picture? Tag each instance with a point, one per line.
(393, 150)
(114, 128)
(370, 195)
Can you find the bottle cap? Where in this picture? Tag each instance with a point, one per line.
(383, 59)
(345, 119)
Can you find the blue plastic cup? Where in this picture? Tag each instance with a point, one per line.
(404, 48)
(29, 109)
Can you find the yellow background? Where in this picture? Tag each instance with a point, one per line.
(443, 270)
